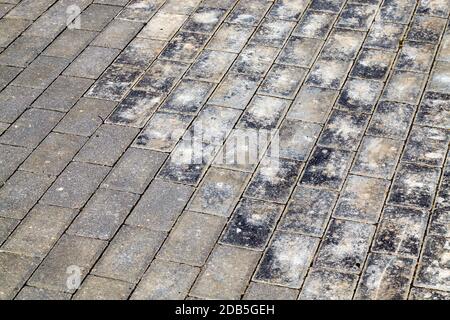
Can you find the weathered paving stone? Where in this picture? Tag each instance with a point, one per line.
(211, 65)
(92, 62)
(69, 251)
(312, 104)
(283, 81)
(345, 246)
(184, 46)
(97, 16)
(433, 266)
(300, 51)
(23, 50)
(235, 91)
(272, 32)
(140, 10)
(184, 7)
(7, 74)
(5, 8)
(440, 81)
(443, 199)
(40, 294)
(20, 193)
(398, 11)
(327, 168)
(14, 273)
(437, 8)
(373, 64)
(254, 60)
(264, 291)
(121, 3)
(129, 254)
(327, 5)
(39, 231)
(11, 29)
(162, 26)
(30, 10)
(160, 205)
(401, 231)
(414, 185)
(249, 12)
(391, 120)
(343, 44)
(426, 294)
(140, 53)
(103, 214)
(385, 35)
(362, 199)
(427, 145)
(75, 185)
(234, 264)
(360, 95)
(385, 278)
(263, 112)
(204, 20)
(229, 37)
(117, 34)
(223, 4)
(85, 117)
(192, 238)
(252, 224)
(114, 83)
(10, 159)
(107, 145)
(377, 157)
(404, 86)
(328, 285)
(426, 29)
(434, 110)
(315, 24)
(70, 43)
(286, 260)
(219, 192)
(416, 56)
(134, 171)
(356, 16)
(329, 74)
(188, 97)
(7, 226)
(98, 288)
(3, 127)
(344, 130)
(444, 50)
(166, 280)
(287, 10)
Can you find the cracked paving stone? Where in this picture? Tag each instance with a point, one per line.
(162, 26)
(7, 226)
(440, 81)
(360, 95)
(140, 53)
(434, 110)
(329, 74)
(416, 56)
(264, 291)
(274, 180)
(263, 112)
(69, 251)
(414, 185)
(426, 29)
(391, 120)
(39, 231)
(134, 171)
(401, 231)
(103, 214)
(427, 145)
(328, 285)
(231, 263)
(343, 45)
(160, 205)
(272, 32)
(433, 267)
(398, 11)
(70, 43)
(229, 37)
(184, 46)
(385, 35)
(373, 64)
(288, 10)
(300, 51)
(97, 16)
(254, 60)
(327, 168)
(286, 260)
(315, 24)
(192, 238)
(252, 223)
(283, 81)
(10, 159)
(344, 130)
(249, 12)
(377, 157)
(75, 185)
(98, 288)
(426, 294)
(404, 86)
(219, 192)
(345, 246)
(23, 51)
(385, 278)
(140, 10)
(211, 66)
(204, 20)
(308, 211)
(40, 294)
(333, 6)
(439, 8)
(166, 280)
(357, 16)
(117, 34)
(362, 199)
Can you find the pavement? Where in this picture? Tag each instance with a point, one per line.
(224, 149)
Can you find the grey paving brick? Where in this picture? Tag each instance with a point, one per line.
(10, 159)
(360, 95)
(328, 285)
(11, 29)
(372, 64)
(97, 16)
(14, 100)
(327, 5)
(287, 10)
(329, 74)
(185, 7)
(23, 50)
(140, 10)
(32, 293)
(263, 291)
(444, 49)
(343, 44)
(254, 60)
(434, 8)
(315, 24)
(7, 226)
(300, 51)
(185, 46)
(5, 8)
(357, 16)
(443, 196)
(283, 81)
(426, 294)
(204, 19)
(223, 4)
(433, 110)
(117, 34)
(273, 32)
(385, 35)
(98, 288)
(3, 127)
(70, 43)
(140, 53)
(439, 81)
(404, 86)
(426, 29)
(416, 56)
(396, 11)
(211, 65)
(162, 26)
(263, 112)
(230, 37)
(248, 13)
(29, 9)
(121, 3)
(7, 74)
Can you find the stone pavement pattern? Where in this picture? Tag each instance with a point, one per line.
(93, 119)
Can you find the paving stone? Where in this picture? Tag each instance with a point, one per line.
(97, 16)
(343, 44)
(426, 294)
(166, 281)
(263, 112)
(98, 149)
(32, 293)
(404, 86)
(5, 8)
(300, 51)
(315, 24)
(10, 159)
(416, 56)
(357, 16)
(254, 60)
(444, 49)
(414, 185)
(184, 7)
(162, 26)
(345, 246)
(427, 145)
(272, 32)
(398, 11)
(385, 35)
(75, 185)
(103, 214)
(439, 223)
(160, 205)
(230, 37)
(70, 43)
(440, 81)
(437, 8)
(129, 254)
(117, 34)
(249, 12)
(23, 50)
(204, 19)
(234, 264)
(211, 66)
(140, 53)
(286, 260)
(70, 251)
(162, 76)
(85, 117)
(360, 95)
(14, 273)
(92, 62)
(426, 29)
(328, 74)
(287, 10)
(98, 288)
(263, 291)
(373, 64)
(11, 29)
(362, 199)
(30, 9)
(327, 5)
(192, 239)
(223, 4)
(185, 46)
(283, 81)
(3, 127)
(443, 199)
(434, 110)
(312, 104)
(328, 285)
(39, 231)
(252, 224)
(7, 74)
(121, 3)
(6, 227)
(140, 10)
